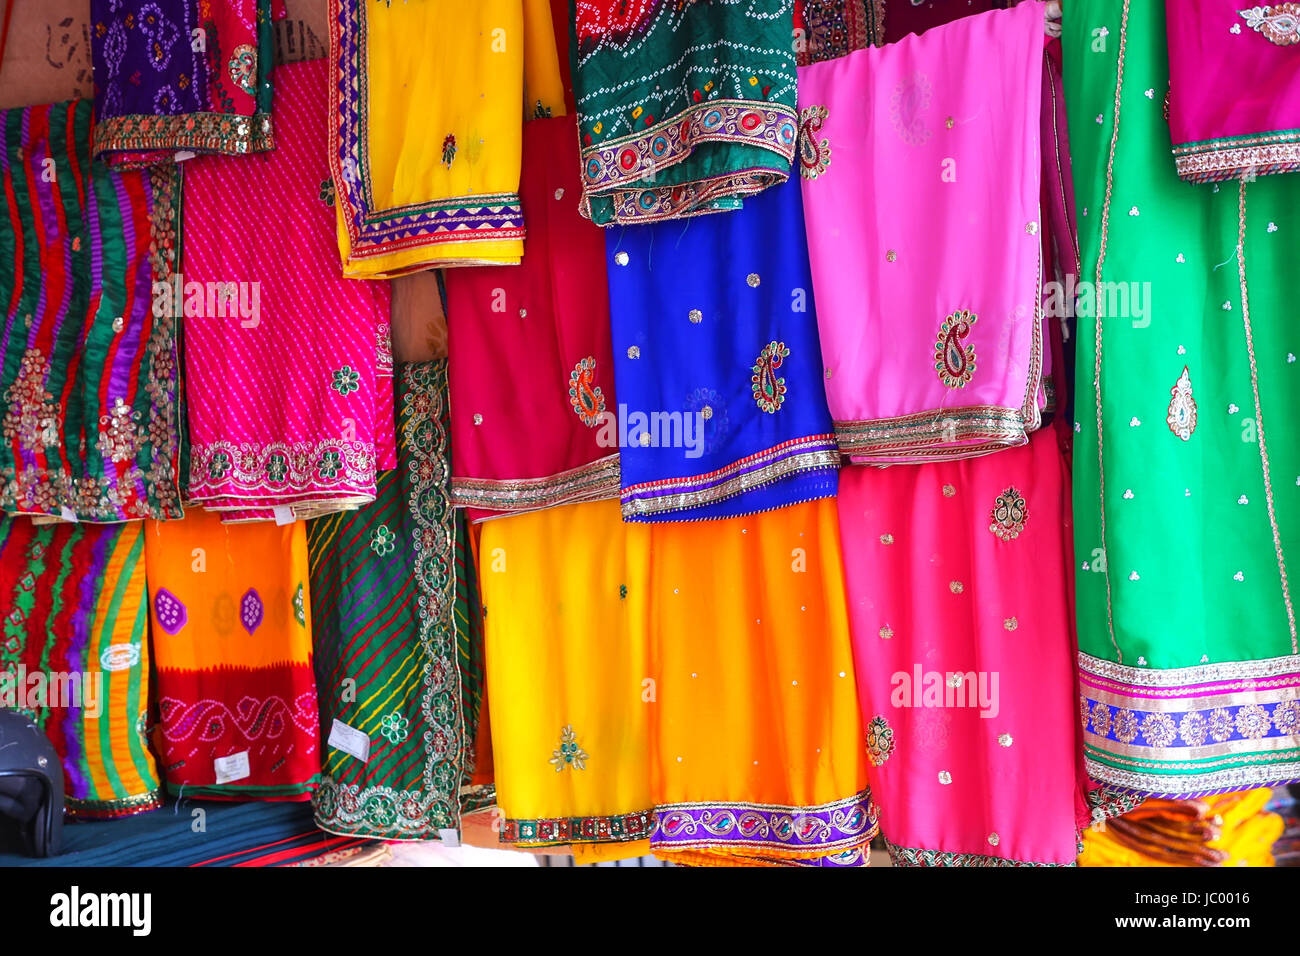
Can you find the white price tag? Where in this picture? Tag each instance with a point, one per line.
(353, 742)
(449, 837)
(231, 768)
(283, 514)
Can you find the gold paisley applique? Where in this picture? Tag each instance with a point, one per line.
(1182, 407)
(1279, 23)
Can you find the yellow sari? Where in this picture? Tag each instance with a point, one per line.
(687, 683)
(426, 140)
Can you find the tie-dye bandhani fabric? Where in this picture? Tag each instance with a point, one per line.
(74, 656)
(825, 29)
(88, 376)
(397, 649)
(288, 365)
(230, 610)
(181, 75)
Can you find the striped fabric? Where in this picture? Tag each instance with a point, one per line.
(88, 377)
(390, 611)
(74, 656)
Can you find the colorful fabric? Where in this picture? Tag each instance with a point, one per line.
(89, 382)
(1185, 495)
(289, 373)
(622, 709)
(532, 376)
(1233, 99)
(683, 108)
(188, 76)
(957, 581)
(825, 29)
(394, 648)
(230, 611)
(74, 656)
(426, 170)
(920, 168)
(904, 17)
(717, 368)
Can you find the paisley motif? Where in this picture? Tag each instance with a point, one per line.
(954, 361)
(880, 740)
(584, 394)
(1279, 22)
(1008, 515)
(768, 387)
(243, 67)
(1182, 407)
(911, 98)
(814, 156)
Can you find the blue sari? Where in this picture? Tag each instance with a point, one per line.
(718, 370)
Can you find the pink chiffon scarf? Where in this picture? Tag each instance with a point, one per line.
(920, 165)
(291, 402)
(958, 584)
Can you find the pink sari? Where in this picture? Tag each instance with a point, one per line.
(289, 380)
(531, 367)
(1234, 88)
(921, 166)
(958, 584)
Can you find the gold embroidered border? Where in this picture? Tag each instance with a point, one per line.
(230, 133)
(1232, 158)
(1239, 778)
(1190, 758)
(590, 482)
(789, 464)
(914, 437)
(1187, 676)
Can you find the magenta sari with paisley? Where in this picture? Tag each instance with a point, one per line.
(920, 165)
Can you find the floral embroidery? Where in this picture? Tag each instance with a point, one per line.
(954, 361)
(1100, 718)
(1193, 729)
(299, 607)
(880, 740)
(382, 540)
(1253, 721)
(1009, 514)
(911, 98)
(584, 394)
(31, 417)
(218, 466)
(1125, 725)
(119, 435)
(769, 388)
(1158, 729)
(277, 468)
(347, 379)
(326, 193)
(250, 610)
(328, 467)
(1279, 23)
(449, 150)
(243, 67)
(395, 727)
(1220, 724)
(569, 753)
(814, 157)
(1286, 717)
(1182, 407)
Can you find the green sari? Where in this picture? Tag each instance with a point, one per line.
(1187, 478)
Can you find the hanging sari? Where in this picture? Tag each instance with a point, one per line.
(959, 597)
(288, 366)
(718, 372)
(74, 656)
(88, 377)
(392, 609)
(1233, 100)
(1185, 495)
(683, 108)
(231, 623)
(931, 352)
(652, 690)
(825, 29)
(194, 78)
(532, 376)
(425, 143)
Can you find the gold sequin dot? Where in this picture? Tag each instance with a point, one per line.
(1031, 227)
(523, 313)
(1011, 624)
(559, 193)
(886, 632)
(633, 352)
(696, 316)
(886, 539)
(706, 412)
(954, 680)
(949, 491)
(620, 258)
(753, 280)
(949, 122)
(478, 419)
(891, 256)
(118, 324)
(644, 439)
(1004, 740)
(828, 375)
(955, 587)
(993, 839)
(945, 777)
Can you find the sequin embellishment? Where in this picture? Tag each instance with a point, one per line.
(584, 394)
(1279, 23)
(1182, 407)
(1008, 515)
(880, 740)
(243, 67)
(768, 387)
(814, 156)
(953, 360)
(569, 754)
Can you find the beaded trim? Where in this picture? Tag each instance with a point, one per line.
(914, 856)
(1237, 157)
(1192, 786)
(823, 829)
(106, 809)
(282, 472)
(618, 828)
(590, 482)
(229, 133)
(937, 435)
(798, 455)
